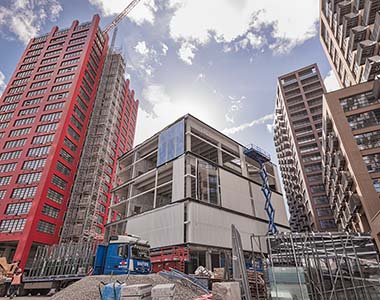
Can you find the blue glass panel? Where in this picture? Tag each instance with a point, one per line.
(171, 143)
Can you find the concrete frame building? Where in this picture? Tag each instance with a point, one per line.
(297, 137)
(350, 36)
(186, 185)
(44, 114)
(351, 163)
(111, 133)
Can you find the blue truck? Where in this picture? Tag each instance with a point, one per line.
(57, 266)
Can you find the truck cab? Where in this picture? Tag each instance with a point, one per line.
(123, 254)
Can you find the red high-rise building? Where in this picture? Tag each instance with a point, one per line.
(44, 115)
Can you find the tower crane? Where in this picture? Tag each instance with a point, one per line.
(121, 16)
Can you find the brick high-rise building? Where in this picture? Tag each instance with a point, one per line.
(297, 136)
(111, 133)
(351, 147)
(44, 114)
(350, 36)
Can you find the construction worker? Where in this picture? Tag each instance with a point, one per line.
(15, 284)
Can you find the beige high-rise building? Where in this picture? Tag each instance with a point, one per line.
(350, 35)
(297, 136)
(351, 160)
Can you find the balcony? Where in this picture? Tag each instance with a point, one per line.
(372, 68)
(339, 160)
(354, 203)
(346, 180)
(332, 142)
(335, 175)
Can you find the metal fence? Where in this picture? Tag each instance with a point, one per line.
(326, 266)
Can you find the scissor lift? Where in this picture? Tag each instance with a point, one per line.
(262, 157)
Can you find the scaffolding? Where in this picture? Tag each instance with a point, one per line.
(318, 266)
(91, 185)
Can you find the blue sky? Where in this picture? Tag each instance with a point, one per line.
(216, 59)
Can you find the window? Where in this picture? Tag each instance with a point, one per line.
(13, 98)
(54, 196)
(80, 33)
(70, 62)
(6, 117)
(77, 124)
(89, 78)
(43, 139)
(31, 59)
(15, 143)
(49, 60)
(319, 200)
(71, 48)
(87, 87)
(63, 169)
(43, 75)
(84, 95)
(10, 155)
(15, 209)
(72, 54)
(313, 168)
(45, 68)
(61, 87)
(372, 162)
(7, 167)
(79, 113)
(29, 178)
(73, 133)
(308, 148)
(38, 151)
(20, 81)
(47, 127)
(34, 164)
(40, 83)
(64, 78)
(317, 189)
(24, 74)
(327, 224)
(5, 180)
(82, 105)
(67, 70)
(58, 96)
(27, 66)
(311, 157)
(59, 182)
(24, 193)
(8, 107)
(77, 40)
(50, 211)
(29, 111)
(69, 144)
(363, 120)
(32, 102)
(358, 101)
(45, 227)
(51, 53)
(54, 106)
(313, 178)
(19, 132)
(66, 156)
(368, 140)
(12, 225)
(36, 92)
(25, 121)
(376, 185)
(51, 117)
(55, 46)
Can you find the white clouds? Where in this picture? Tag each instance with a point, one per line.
(186, 52)
(244, 126)
(24, 18)
(164, 48)
(144, 11)
(196, 21)
(331, 82)
(2, 83)
(142, 48)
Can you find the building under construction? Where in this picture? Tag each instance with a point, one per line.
(184, 187)
(111, 133)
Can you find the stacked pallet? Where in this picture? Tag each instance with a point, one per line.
(257, 285)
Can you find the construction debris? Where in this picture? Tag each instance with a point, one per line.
(257, 285)
(163, 292)
(87, 288)
(136, 292)
(226, 291)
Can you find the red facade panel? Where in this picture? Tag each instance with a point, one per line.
(50, 96)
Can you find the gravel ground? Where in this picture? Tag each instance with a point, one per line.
(87, 288)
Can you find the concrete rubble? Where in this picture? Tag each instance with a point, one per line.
(87, 288)
(163, 292)
(226, 291)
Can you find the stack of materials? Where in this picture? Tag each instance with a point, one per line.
(163, 291)
(257, 285)
(136, 292)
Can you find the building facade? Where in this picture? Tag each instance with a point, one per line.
(111, 133)
(186, 185)
(351, 164)
(44, 114)
(350, 35)
(297, 137)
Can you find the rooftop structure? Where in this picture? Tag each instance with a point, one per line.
(186, 185)
(297, 136)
